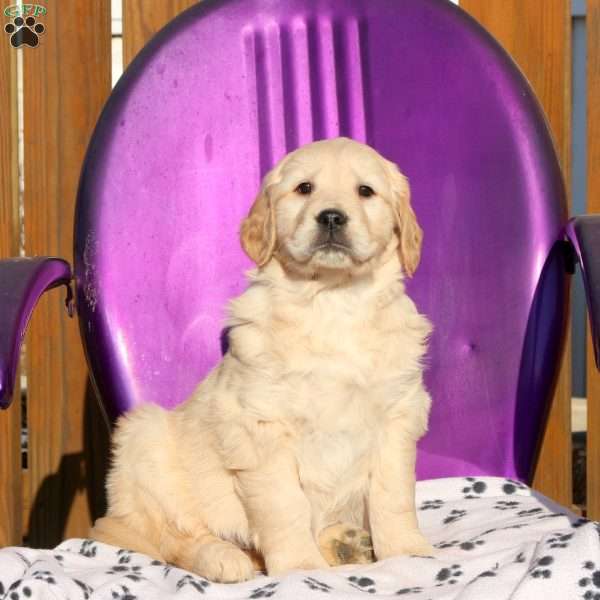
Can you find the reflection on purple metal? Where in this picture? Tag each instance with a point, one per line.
(22, 282)
(226, 90)
(584, 233)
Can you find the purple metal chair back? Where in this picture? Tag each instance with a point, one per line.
(228, 88)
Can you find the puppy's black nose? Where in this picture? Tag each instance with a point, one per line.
(332, 219)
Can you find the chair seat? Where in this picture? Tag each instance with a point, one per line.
(495, 539)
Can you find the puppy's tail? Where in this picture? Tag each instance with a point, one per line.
(116, 532)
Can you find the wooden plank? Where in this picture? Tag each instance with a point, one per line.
(593, 428)
(593, 190)
(67, 79)
(537, 33)
(10, 420)
(143, 18)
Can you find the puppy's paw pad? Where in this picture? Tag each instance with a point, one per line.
(344, 543)
(224, 563)
(24, 31)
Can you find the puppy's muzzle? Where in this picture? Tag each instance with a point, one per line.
(331, 219)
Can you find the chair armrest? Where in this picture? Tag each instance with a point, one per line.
(22, 282)
(584, 234)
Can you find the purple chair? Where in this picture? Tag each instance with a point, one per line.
(229, 87)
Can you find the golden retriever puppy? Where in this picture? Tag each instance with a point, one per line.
(306, 431)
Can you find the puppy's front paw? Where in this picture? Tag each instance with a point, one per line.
(412, 543)
(223, 562)
(276, 565)
(344, 544)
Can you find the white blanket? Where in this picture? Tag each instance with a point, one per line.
(495, 538)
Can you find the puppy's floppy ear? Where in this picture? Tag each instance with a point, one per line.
(408, 231)
(258, 234)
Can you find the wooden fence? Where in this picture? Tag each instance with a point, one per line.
(593, 191)
(66, 80)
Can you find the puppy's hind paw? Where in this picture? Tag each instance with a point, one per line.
(344, 543)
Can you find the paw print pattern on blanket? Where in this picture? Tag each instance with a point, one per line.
(520, 558)
(198, 583)
(364, 584)
(88, 548)
(448, 575)
(124, 556)
(591, 582)
(475, 490)
(86, 589)
(266, 591)
(471, 544)
(316, 585)
(411, 590)
(455, 515)
(19, 590)
(45, 576)
(560, 540)
(123, 593)
(550, 516)
(511, 486)
(486, 574)
(165, 568)
(466, 545)
(16, 591)
(540, 567)
(506, 504)
(493, 572)
(131, 572)
(496, 546)
(530, 512)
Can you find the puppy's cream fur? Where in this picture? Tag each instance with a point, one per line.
(312, 417)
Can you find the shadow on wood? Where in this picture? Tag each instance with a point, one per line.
(76, 472)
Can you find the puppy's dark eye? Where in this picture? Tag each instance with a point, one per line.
(304, 188)
(366, 191)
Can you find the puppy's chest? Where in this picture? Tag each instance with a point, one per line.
(332, 350)
(340, 366)
(334, 390)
